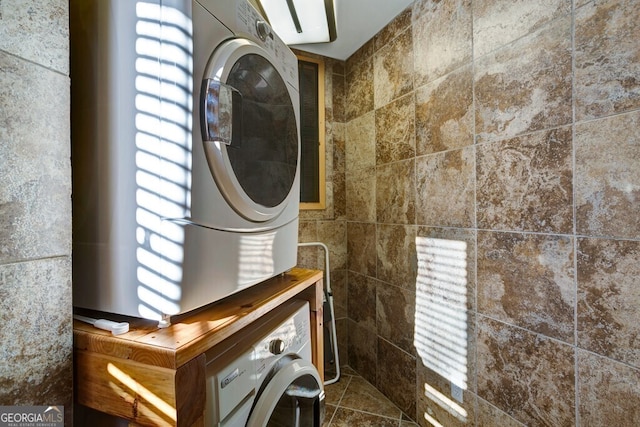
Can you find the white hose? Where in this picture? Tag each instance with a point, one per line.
(329, 294)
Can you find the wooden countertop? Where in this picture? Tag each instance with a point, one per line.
(192, 334)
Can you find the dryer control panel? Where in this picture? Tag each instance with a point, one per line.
(251, 22)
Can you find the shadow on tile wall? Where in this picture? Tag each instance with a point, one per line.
(485, 182)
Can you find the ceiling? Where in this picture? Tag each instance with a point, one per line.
(357, 22)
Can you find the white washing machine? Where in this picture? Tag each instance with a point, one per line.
(185, 151)
(265, 377)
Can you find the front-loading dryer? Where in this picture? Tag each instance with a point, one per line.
(185, 151)
(265, 377)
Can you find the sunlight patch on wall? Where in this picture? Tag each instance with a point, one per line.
(441, 315)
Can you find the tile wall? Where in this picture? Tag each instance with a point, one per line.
(329, 226)
(35, 205)
(488, 151)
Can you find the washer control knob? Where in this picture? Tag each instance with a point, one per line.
(263, 30)
(276, 346)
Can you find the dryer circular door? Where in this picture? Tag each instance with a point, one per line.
(292, 395)
(249, 124)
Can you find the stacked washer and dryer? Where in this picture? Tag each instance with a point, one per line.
(185, 150)
(185, 153)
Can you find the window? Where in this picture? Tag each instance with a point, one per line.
(312, 144)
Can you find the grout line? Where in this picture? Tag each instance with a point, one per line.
(344, 391)
(370, 413)
(46, 67)
(576, 394)
(476, 328)
(30, 260)
(522, 328)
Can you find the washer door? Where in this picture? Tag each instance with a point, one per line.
(249, 129)
(292, 397)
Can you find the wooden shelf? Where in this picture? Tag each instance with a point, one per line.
(154, 376)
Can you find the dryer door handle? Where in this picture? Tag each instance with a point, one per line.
(221, 113)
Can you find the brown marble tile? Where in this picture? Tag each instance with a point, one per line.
(36, 333)
(329, 411)
(364, 53)
(363, 354)
(360, 158)
(393, 70)
(396, 131)
(308, 256)
(360, 195)
(396, 192)
(525, 86)
(609, 392)
(360, 144)
(525, 183)
(499, 22)
(334, 235)
(437, 49)
(419, 8)
(397, 25)
(362, 300)
(342, 331)
(37, 31)
(438, 249)
(395, 315)
(607, 58)
(35, 195)
(331, 128)
(348, 370)
(334, 392)
(528, 281)
(526, 375)
(339, 186)
(607, 176)
(349, 418)
(490, 416)
(336, 66)
(359, 99)
(338, 97)
(361, 395)
(436, 374)
(339, 134)
(361, 248)
(444, 113)
(337, 178)
(445, 184)
(396, 377)
(340, 293)
(396, 255)
(608, 298)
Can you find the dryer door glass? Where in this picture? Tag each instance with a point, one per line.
(265, 160)
(249, 127)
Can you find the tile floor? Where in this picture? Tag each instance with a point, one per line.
(353, 402)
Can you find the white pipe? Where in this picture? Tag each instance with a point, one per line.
(329, 294)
